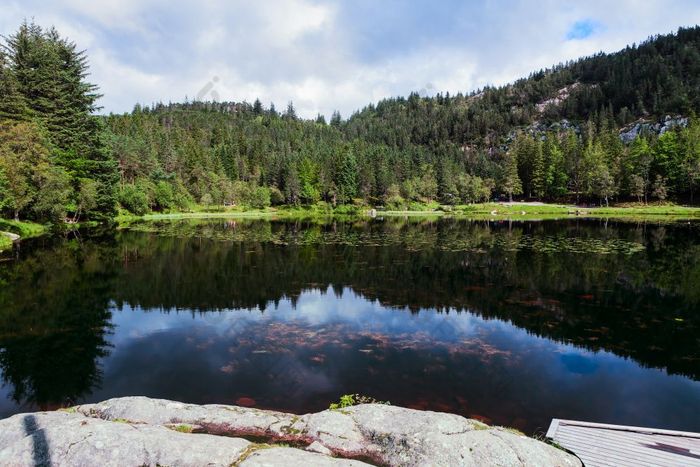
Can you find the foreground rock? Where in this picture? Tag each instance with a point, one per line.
(142, 431)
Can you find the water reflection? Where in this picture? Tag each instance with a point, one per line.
(509, 323)
(299, 356)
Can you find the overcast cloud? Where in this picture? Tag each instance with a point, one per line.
(327, 55)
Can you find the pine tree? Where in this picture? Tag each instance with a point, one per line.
(556, 177)
(446, 188)
(347, 178)
(336, 119)
(12, 103)
(51, 76)
(539, 171)
(257, 107)
(511, 183)
(291, 113)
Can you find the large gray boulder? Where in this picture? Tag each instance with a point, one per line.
(71, 439)
(382, 434)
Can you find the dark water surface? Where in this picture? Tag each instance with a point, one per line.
(512, 323)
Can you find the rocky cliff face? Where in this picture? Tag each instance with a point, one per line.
(627, 134)
(630, 132)
(141, 431)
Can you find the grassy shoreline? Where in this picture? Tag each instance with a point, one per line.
(483, 211)
(514, 211)
(21, 228)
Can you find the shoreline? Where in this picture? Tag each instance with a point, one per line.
(485, 211)
(12, 231)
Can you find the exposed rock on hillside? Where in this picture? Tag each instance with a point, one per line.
(630, 132)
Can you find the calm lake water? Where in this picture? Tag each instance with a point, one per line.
(511, 323)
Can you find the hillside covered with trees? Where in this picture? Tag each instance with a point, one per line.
(555, 135)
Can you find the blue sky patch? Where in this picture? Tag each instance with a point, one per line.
(582, 29)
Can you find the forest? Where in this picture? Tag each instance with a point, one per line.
(553, 136)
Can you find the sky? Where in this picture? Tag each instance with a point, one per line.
(336, 54)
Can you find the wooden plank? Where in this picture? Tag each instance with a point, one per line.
(640, 441)
(628, 448)
(636, 438)
(636, 429)
(586, 448)
(552, 428)
(590, 458)
(600, 444)
(594, 447)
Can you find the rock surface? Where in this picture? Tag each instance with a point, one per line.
(12, 236)
(60, 438)
(143, 431)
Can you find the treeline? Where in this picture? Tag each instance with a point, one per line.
(446, 149)
(176, 155)
(53, 160)
(660, 76)
(596, 165)
(552, 136)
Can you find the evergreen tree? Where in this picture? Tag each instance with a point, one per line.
(291, 113)
(347, 178)
(555, 173)
(12, 103)
(539, 171)
(50, 74)
(257, 107)
(511, 183)
(336, 119)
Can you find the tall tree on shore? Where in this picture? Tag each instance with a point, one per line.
(50, 74)
(12, 103)
(510, 182)
(347, 177)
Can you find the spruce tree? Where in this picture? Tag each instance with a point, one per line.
(347, 178)
(511, 183)
(539, 171)
(12, 103)
(51, 77)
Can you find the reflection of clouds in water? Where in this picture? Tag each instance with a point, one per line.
(578, 363)
(307, 351)
(316, 309)
(319, 318)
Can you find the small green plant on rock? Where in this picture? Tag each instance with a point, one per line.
(348, 400)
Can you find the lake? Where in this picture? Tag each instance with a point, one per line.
(513, 323)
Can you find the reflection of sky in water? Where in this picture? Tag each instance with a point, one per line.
(302, 357)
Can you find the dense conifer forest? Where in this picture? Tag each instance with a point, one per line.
(605, 128)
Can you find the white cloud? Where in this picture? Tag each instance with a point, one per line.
(332, 55)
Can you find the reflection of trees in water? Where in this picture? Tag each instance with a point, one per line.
(54, 319)
(629, 300)
(55, 301)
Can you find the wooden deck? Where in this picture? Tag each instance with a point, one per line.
(598, 444)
